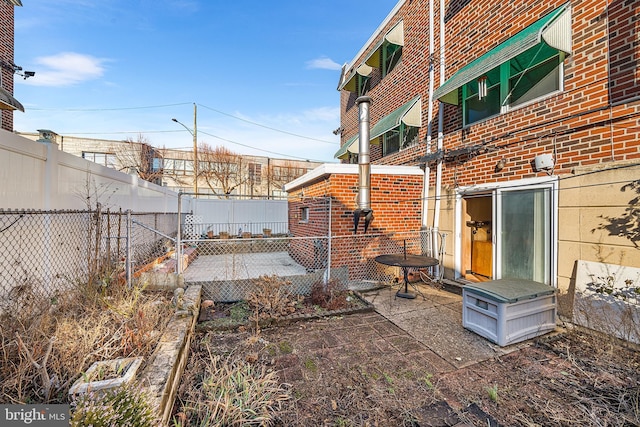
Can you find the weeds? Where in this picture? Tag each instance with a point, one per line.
(427, 381)
(239, 312)
(231, 393)
(285, 347)
(124, 406)
(493, 393)
(310, 365)
(44, 351)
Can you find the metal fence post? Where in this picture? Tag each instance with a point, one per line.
(327, 274)
(128, 250)
(179, 236)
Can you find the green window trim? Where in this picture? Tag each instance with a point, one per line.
(398, 139)
(391, 55)
(385, 55)
(553, 30)
(362, 84)
(526, 78)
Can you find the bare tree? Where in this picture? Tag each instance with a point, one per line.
(277, 175)
(139, 157)
(221, 169)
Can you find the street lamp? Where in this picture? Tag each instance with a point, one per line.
(195, 146)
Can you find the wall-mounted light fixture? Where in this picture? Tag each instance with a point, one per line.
(500, 165)
(543, 162)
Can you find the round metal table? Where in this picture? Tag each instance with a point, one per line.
(406, 262)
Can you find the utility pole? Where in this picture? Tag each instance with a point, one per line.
(193, 133)
(195, 149)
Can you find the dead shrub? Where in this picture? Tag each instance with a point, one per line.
(330, 296)
(271, 298)
(44, 350)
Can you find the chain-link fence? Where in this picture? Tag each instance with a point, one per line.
(227, 268)
(44, 253)
(152, 240)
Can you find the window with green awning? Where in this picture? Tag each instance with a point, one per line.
(524, 68)
(395, 131)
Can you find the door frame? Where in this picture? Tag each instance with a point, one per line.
(492, 189)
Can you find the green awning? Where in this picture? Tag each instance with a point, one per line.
(8, 102)
(553, 29)
(349, 82)
(394, 36)
(410, 114)
(347, 147)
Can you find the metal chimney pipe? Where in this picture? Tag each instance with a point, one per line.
(364, 165)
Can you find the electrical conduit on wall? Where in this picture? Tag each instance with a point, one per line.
(438, 189)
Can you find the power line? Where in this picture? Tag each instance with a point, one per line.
(111, 109)
(175, 105)
(259, 149)
(267, 127)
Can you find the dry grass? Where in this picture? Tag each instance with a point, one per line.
(48, 343)
(228, 392)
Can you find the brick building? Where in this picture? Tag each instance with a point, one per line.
(523, 116)
(8, 104)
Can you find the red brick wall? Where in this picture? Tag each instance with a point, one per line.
(6, 55)
(578, 126)
(395, 201)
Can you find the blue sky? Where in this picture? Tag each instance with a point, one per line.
(263, 73)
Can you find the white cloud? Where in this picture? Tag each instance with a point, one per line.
(66, 69)
(323, 63)
(185, 5)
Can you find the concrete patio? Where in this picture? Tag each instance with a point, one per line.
(435, 320)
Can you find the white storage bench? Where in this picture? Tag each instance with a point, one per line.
(507, 311)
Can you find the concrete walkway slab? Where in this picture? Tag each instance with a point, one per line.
(435, 320)
(238, 266)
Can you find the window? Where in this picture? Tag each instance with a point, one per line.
(362, 84)
(255, 173)
(157, 164)
(105, 159)
(391, 54)
(398, 139)
(304, 214)
(178, 167)
(529, 76)
(278, 194)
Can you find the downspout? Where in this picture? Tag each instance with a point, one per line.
(438, 189)
(427, 169)
(364, 167)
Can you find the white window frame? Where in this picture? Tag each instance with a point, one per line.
(304, 214)
(493, 189)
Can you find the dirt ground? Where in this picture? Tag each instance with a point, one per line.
(362, 370)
